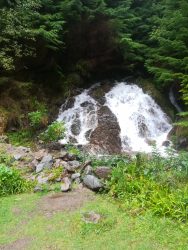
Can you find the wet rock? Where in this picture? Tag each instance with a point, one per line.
(71, 166)
(75, 176)
(46, 162)
(66, 185)
(92, 217)
(76, 127)
(92, 182)
(107, 134)
(103, 172)
(166, 143)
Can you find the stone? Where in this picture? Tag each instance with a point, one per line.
(66, 185)
(71, 166)
(18, 157)
(106, 136)
(166, 143)
(60, 154)
(38, 189)
(42, 179)
(88, 170)
(75, 176)
(92, 217)
(24, 149)
(40, 154)
(46, 162)
(92, 182)
(103, 172)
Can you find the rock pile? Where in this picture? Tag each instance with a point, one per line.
(48, 166)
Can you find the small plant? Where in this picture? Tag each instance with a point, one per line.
(11, 182)
(54, 132)
(38, 119)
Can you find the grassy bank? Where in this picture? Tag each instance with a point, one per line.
(24, 222)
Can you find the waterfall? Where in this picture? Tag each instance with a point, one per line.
(142, 122)
(173, 101)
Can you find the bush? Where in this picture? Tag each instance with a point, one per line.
(11, 182)
(54, 132)
(156, 184)
(38, 119)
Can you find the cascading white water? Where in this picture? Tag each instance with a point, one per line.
(141, 120)
(82, 118)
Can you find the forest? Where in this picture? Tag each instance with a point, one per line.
(93, 124)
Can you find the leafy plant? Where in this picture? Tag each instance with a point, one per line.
(11, 182)
(54, 132)
(38, 119)
(157, 184)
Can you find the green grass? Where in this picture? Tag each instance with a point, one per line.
(20, 217)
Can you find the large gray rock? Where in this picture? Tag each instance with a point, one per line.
(66, 185)
(92, 182)
(71, 166)
(46, 162)
(103, 172)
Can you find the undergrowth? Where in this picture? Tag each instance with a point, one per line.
(152, 183)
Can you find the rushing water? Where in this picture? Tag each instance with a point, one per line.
(142, 122)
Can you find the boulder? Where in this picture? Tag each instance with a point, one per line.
(66, 185)
(107, 134)
(103, 172)
(71, 166)
(92, 182)
(46, 162)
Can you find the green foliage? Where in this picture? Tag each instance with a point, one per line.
(38, 119)
(54, 132)
(11, 181)
(157, 184)
(22, 137)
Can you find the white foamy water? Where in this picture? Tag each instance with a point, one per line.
(141, 120)
(81, 119)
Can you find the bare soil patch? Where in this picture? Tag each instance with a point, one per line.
(67, 202)
(20, 244)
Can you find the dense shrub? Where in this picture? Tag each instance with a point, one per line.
(11, 182)
(54, 132)
(158, 184)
